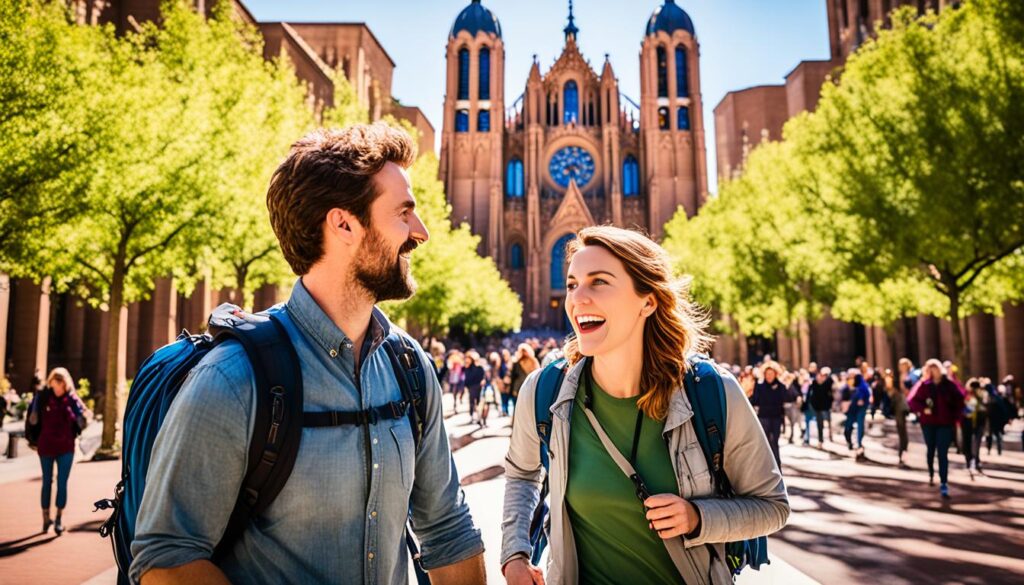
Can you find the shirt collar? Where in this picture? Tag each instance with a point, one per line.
(314, 321)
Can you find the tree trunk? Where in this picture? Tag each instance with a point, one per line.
(241, 273)
(890, 338)
(111, 401)
(959, 347)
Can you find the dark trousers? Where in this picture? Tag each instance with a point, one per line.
(63, 462)
(772, 426)
(823, 416)
(474, 399)
(901, 430)
(938, 439)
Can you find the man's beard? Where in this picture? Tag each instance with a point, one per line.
(380, 271)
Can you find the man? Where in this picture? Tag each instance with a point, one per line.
(819, 398)
(344, 214)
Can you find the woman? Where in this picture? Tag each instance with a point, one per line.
(938, 402)
(507, 400)
(898, 400)
(634, 330)
(857, 412)
(525, 363)
(974, 424)
(769, 401)
(58, 416)
(456, 380)
(474, 375)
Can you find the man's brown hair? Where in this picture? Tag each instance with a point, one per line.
(329, 169)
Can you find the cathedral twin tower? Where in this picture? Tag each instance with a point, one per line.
(571, 151)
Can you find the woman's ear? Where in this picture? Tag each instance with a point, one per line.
(650, 305)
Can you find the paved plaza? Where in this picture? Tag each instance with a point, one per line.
(852, 522)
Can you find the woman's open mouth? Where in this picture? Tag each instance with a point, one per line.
(589, 323)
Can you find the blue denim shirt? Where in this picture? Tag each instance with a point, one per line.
(341, 517)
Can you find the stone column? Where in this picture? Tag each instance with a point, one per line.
(1009, 333)
(5, 308)
(30, 333)
(982, 336)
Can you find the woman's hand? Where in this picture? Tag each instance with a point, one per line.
(671, 515)
(519, 571)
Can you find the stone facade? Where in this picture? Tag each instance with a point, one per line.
(571, 151)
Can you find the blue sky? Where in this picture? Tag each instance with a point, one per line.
(743, 42)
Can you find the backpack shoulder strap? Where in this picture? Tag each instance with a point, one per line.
(547, 389)
(706, 393)
(277, 428)
(411, 379)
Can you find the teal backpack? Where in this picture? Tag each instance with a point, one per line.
(706, 393)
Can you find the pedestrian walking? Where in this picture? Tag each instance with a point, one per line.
(794, 404)
(523, 365)
(898, 399)
(769, 401)
(474, 376)
(56, 417)
(819, 399)
(345, 215)
(456, 378)
(1000, 413)
(856, 413)
(622, 407)
(508, 401)
(974, 424)
(938, 402)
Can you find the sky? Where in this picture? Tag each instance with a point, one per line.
(743, 43)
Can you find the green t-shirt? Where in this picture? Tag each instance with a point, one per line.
(614, 544)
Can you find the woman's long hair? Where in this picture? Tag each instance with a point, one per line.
(675, 330)
(526, 359)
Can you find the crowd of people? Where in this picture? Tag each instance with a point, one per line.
(490, 380)
(965, 415)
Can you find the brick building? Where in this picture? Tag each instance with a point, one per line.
(40, 330)
(571, 150)
(746, 117)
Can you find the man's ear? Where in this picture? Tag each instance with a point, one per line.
(343, 226)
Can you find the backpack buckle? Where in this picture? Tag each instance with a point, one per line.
(399, 408)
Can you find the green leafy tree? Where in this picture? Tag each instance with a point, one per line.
(455, 284)
(48, 118)
(923, 143)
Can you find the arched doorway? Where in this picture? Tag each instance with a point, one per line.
(556, 304)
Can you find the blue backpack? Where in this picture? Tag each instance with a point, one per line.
(277, 429)
(706, 393)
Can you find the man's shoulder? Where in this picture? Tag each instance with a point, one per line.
(224, 373)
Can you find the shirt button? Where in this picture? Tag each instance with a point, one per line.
(373, 514)
(375, 465)
(348, 344)
(369, 556)
(375, 441)
(334, 353)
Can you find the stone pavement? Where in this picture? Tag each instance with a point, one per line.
(851, 523)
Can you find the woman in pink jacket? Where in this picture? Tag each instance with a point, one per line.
(938, 402)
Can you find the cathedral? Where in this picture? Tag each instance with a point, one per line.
(571, 150)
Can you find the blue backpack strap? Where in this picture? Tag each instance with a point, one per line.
(411, 380)
(547, 390)
(277, 428)
(706, 393)
(548, 384)
(413, 383)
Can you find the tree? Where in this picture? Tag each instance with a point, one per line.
(923, 144)
(759, 252)
(47, 120)
(455, 284)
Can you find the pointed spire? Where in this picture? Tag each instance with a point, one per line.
(570, 29)
(607, 73)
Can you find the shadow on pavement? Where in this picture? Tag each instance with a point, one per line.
(483, 475)
(21, 545)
